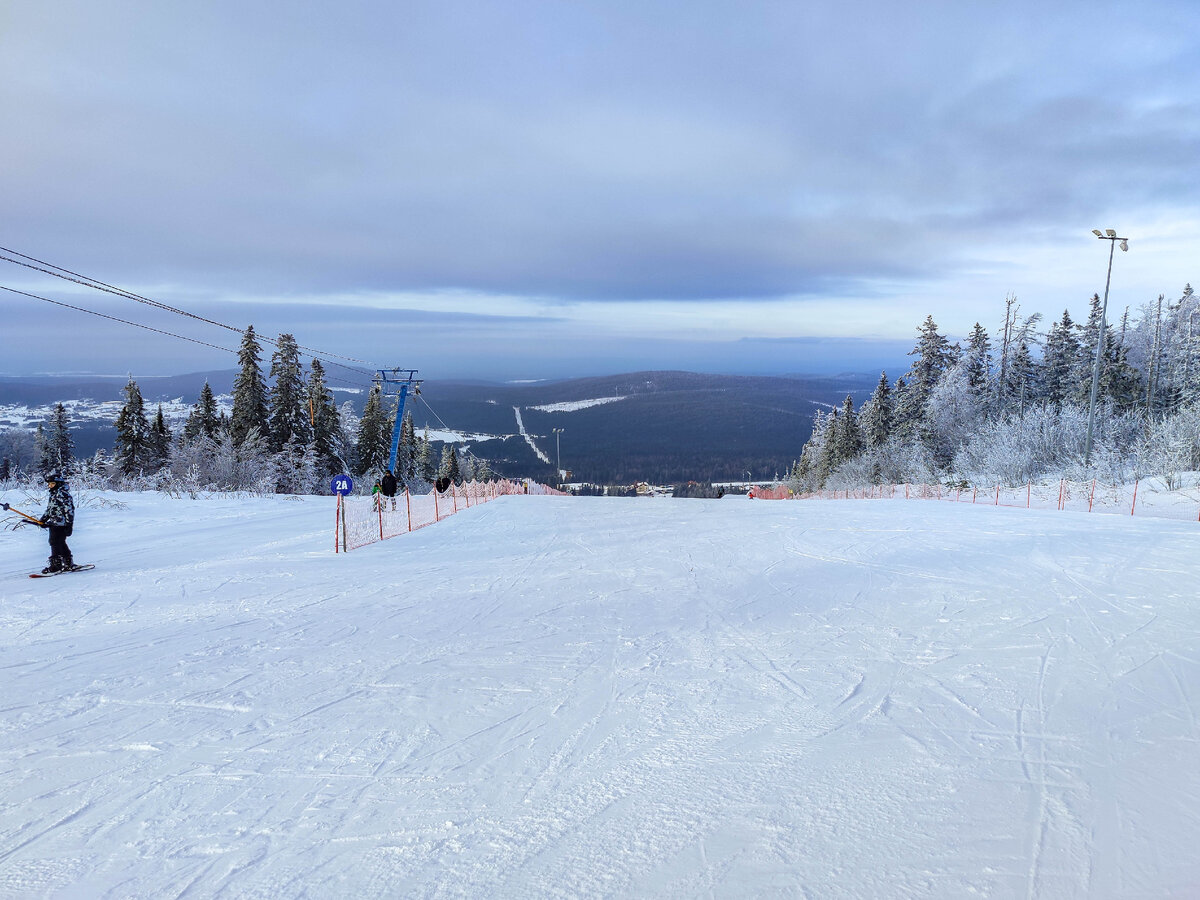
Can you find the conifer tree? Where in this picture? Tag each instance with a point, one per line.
(288, 418)
(1085, 362)
(58, 447)
(848, 437)
(1021, 385)
(934, 355)
(249, 392)
(1060, 361)
(876, 419)
(827, 456)
(406, 454)
(203, 420)
(5, 469)
(327, 437)
(979, 362)
(449, 467)
(426, 470)
(374, 435)
(160, 442)
(133, 445)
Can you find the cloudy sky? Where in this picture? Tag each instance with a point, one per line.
(542, 189)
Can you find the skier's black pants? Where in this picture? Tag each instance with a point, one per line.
(58, 541)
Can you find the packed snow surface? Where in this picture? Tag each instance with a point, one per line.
(584, 697)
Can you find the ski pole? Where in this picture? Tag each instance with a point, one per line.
(8, 508)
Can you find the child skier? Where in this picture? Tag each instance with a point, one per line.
(59, 520)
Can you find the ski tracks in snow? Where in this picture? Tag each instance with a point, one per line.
(596, 697)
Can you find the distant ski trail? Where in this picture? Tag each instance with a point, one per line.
(528, 437)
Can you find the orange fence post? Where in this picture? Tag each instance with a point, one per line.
(379, 506)
(997, 495)
(1092, 495)
(1028, 493)
(408, 506)
(1135, 487)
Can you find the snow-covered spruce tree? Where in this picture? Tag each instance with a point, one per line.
(483, 469)
(327, 438)
(1084, 365)
(426, 467)
(160, 442)
(449, 467)
(1059, 361)
(58, 447)
(934, 355)
(406, 453)
(875, 419)
(978, 362)
(133, 452)
(374, 435)
(847, 438)
(249, 392)
(203, 420)
(288, 416)
(1022, 385)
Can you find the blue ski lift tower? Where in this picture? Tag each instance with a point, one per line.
(399, 383)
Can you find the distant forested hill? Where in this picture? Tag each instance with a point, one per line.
(655, 426)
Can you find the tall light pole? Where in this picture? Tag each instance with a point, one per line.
(1111, 237)
(558, 452)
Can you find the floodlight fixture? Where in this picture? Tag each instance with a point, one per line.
(1097, 232)
(1125, 246)
(1110, 232)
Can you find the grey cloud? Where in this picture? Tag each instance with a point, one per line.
(707, 151)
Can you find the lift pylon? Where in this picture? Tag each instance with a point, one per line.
(399, 383)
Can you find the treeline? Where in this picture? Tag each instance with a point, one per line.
(1020, 408)
(288, 437)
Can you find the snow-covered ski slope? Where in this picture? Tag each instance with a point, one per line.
(590, 697)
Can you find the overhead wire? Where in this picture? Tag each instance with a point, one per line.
(66, 274)
(92, 312)
(86, 281)
(466, 449)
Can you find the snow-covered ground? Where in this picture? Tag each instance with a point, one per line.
(581, 697)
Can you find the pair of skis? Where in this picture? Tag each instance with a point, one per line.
(7, 508)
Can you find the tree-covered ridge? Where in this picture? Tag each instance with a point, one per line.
(1019, 409)
(286, 435)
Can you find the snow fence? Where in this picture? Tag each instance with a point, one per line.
(1157, 497)
(365, 520)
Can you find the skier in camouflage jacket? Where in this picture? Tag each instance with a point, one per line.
(59, 519)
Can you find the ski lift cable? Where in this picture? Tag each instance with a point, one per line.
(466, 449)
(92, 312)
(96, 284)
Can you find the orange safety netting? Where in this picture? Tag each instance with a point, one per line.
(1152, 497)
(364, 520)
